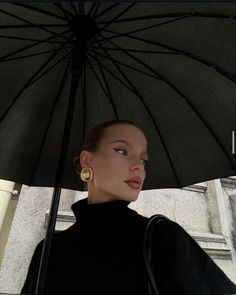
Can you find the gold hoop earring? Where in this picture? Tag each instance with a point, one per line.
(86, 174)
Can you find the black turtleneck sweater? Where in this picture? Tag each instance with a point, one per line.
(101, 254)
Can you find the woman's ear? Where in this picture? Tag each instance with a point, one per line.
(85, 159)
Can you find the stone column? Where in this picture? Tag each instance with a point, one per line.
(233, 206)
(219, 214)
(6, 191)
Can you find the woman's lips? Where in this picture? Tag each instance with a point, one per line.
(134, 184)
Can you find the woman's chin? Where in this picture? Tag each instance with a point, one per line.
(130, 197)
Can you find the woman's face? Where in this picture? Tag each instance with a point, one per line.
(118, 164)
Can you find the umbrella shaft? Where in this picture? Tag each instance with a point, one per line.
(76, 70)
(77, 64)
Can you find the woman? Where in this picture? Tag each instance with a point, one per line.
(101, 254)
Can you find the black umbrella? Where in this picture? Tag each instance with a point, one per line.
(170, 68)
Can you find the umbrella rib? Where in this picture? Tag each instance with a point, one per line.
(185, 53)
(38, 10)
(91, 8)
(57, 98)
(28, 22)
(147, 28)
(96, 9)
(81, 8)
(50, 68)
(214, 15)
(33, 54)
(65, 11)
(122, 82)
(135, 91)
(74, 8)
(137, 60)
(27, 39)
(138, 50)
(30, 46)
(95, 74)
(128, 66)
(152, 16)
(112, 74)
(166, 15)
(26, 85)
(107, 9)
(203, 61)
(30, 26)
(80, 12)
(117, 16)
(106, 85)
(228, 155)
(98, 79)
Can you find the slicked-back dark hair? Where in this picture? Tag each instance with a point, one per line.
(94, 137)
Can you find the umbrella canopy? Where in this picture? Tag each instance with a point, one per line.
(170, 68)
(65, 67)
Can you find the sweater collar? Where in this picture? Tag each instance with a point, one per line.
(97, 211)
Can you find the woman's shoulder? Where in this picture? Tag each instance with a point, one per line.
(59, 237)
(170, 236)
(187, 267)
(162, 223)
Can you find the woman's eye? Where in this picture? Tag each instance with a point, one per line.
(144, 161)
(121, 151)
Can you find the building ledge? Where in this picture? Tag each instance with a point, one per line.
(64, 220)
(234, 238)
(214, 245)
(200, 188)
(229, 182)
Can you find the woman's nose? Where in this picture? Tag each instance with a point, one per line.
(137, 165)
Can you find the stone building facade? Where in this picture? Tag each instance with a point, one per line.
(206, 210)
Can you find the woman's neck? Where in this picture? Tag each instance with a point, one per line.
(97, 196)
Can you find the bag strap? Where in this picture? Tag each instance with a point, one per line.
(147, 250)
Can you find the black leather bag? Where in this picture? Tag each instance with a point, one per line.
(154, 220)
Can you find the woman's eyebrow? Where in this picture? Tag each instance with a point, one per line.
(128, 143)
(121, 140)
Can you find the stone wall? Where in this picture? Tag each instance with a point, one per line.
(206, 210)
